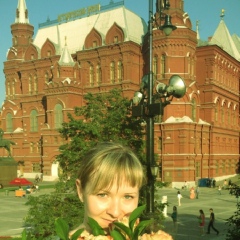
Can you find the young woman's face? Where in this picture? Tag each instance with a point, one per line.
(109, 205)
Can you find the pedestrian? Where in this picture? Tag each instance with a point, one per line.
(201, 220)
(197, 192)
(179, 196)
(192, 193)
(214, 183)
(174, 216)
(225, 184)
(211, 221)
(219, 190)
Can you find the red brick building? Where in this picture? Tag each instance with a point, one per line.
(98, 48)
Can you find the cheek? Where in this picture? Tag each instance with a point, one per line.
(128, 207)
(94, 207)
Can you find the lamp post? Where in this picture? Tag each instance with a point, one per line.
(41, 154)
(146, 106)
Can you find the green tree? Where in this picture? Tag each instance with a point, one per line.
(105, 117)
(234, 221)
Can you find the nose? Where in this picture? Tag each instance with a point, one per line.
(114, 209)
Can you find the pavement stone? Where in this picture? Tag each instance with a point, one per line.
(13, 210)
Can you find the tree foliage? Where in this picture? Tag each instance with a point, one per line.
(105, 117)
(234, 221)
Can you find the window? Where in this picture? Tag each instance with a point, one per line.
(223, 115)
(91, 75)
(98, 74)
(155, 68)
(30, 84)
(112, 72)
(8, 89)
(35, 84)
(198, 169)
(163, 66)
(36, 168)
(58, 116)
(120, 71)
(94, 44)
(9, 123)
(115, 40)
(13, 87)
(33, 121)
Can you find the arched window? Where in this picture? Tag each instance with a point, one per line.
(163, 65)
(112, 72)
(35, 84)
(30, 84)
(120, 71)
(33, 121)
(98, 74)
(58, 116)
(13, 87)
(223, 113)
(9, 122)
(91, 75)
(155, 67)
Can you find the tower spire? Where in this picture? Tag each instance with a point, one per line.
(197, 29)
(21, 12)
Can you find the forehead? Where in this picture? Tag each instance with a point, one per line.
(115, 186)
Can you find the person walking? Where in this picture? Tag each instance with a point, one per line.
(211, 221)
(179, 196)
(174, 218)
(201, 220)
(219, 190)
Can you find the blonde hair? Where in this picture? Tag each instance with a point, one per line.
(108, 163)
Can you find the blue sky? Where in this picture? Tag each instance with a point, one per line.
(206, 11)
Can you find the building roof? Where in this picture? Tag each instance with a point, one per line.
(223, 39)
(21, 16)
(76, 30)
(66, 58)
(236, 40)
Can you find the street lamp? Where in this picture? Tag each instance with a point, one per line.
(146, 106)
(41, 154)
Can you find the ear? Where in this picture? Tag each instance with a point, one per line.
(79, 190)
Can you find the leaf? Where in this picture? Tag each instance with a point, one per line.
(124, 228)
(62, 229)
(117, 235)
(135, 215)
(140, 227)
(95, 227)
(24, 235)
(77, 234)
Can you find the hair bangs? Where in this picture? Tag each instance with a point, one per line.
(118, 169)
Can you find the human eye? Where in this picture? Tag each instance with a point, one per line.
(129, 197)
(102, 195)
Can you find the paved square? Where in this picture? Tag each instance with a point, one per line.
(13, 210)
